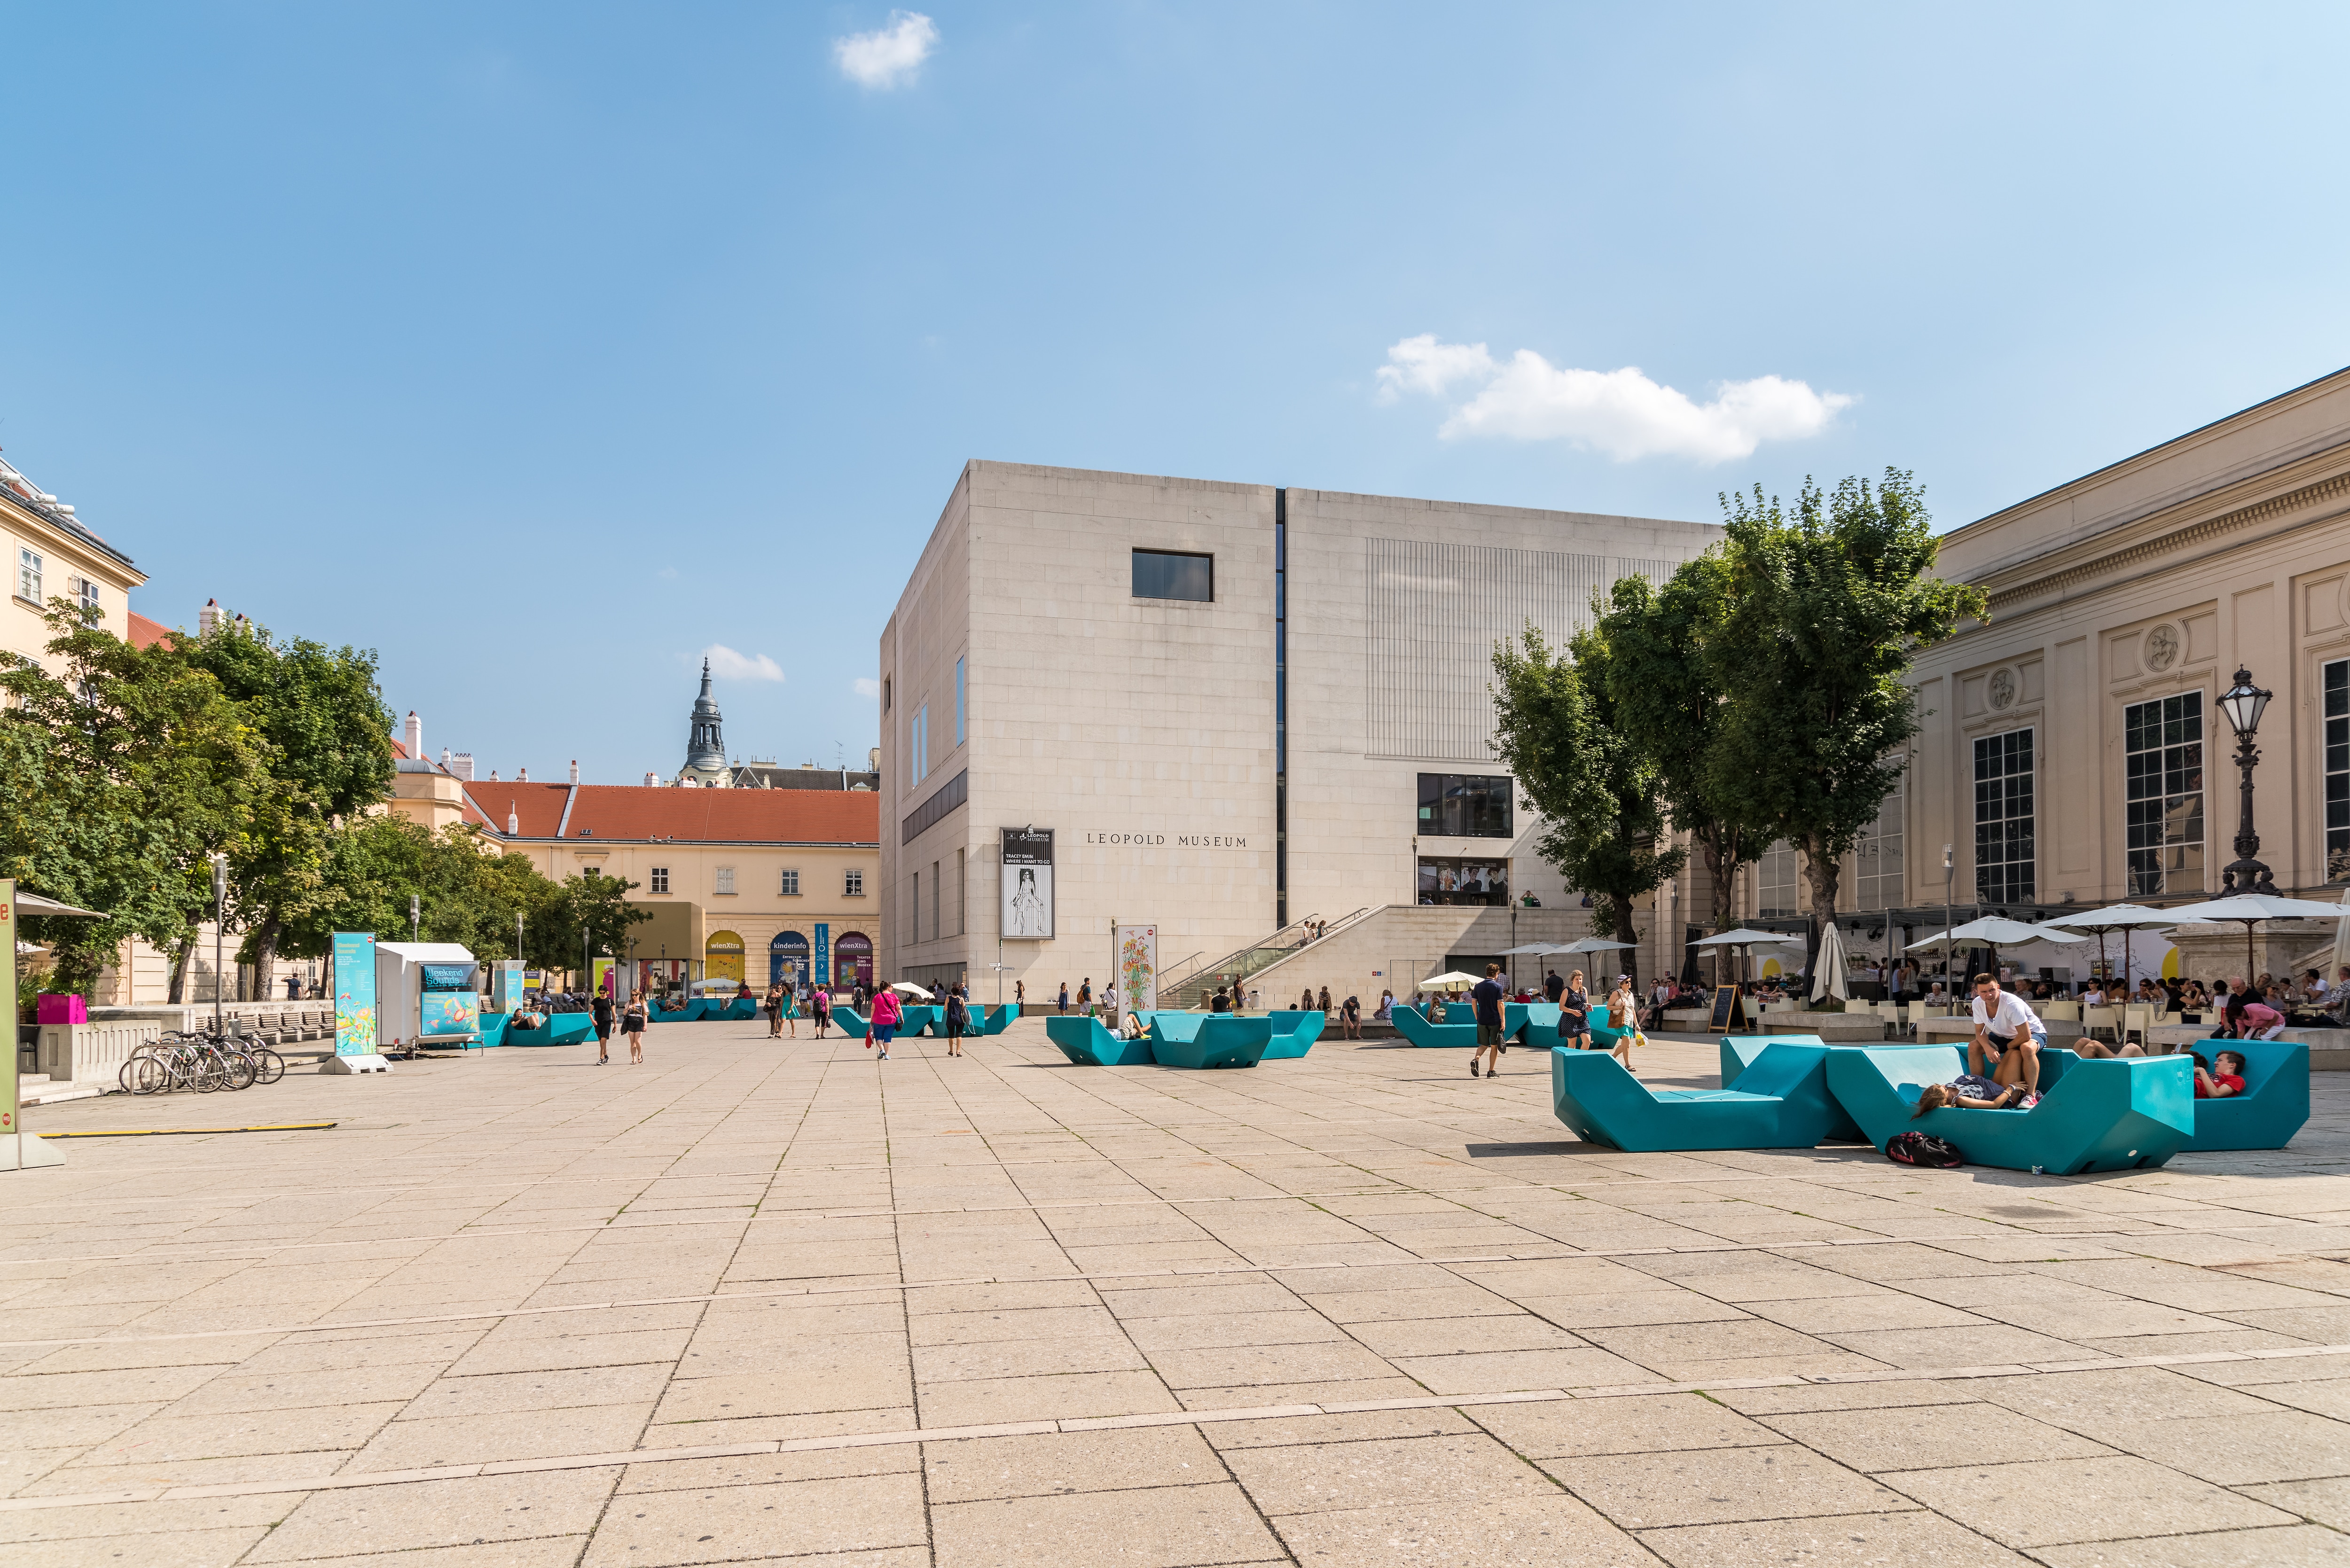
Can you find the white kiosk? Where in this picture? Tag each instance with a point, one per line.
(426, 993)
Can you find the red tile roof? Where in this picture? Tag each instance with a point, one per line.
(703, 815)
(145, 633)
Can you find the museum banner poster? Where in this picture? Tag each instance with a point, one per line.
(9, 1002)
(1027, 912)
(354, 993)
(1138, 967)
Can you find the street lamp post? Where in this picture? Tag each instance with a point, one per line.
(2243, 704)
(1950, 869)
(220, 920)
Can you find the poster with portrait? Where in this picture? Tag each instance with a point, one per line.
(1138, 967)
(1027, 913)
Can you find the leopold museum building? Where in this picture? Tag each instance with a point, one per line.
(1218, 711)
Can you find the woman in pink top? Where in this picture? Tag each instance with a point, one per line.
(886, 1017)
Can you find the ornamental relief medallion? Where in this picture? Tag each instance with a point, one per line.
(2162, 647)
(1999, 690)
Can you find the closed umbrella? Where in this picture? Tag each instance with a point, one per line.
(1827, 973)
(2341, 943)
(2250, 910)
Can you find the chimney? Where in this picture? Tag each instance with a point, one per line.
(873, 760)
(648, 781)
(494, 776)
(208, 618)
(415, 735)
(575, 770)
(460, 763)
(514, 824)
(522, 776)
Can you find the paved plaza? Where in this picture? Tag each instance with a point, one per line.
(757, 1302)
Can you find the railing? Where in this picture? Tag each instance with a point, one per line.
(1196, 985)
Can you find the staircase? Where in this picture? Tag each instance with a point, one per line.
(1193, 986)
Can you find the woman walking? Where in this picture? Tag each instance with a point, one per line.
(1624, 1017)
(1575, 1012)
(791, 1004)
(601, 1009)
(772, 1004)
(958, 1018)
(821, 1005)
(633, 1024)
(886, 1017)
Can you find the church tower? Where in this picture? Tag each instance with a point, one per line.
(705, 749)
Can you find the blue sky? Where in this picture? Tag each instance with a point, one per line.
(541, 346)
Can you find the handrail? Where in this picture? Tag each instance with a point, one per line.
(1236, 955)
(1240, 958)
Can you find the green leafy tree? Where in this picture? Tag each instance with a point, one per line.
(1559, 732)
(321, 713)
(1670, 701)
(1827, 603)
(127, 770)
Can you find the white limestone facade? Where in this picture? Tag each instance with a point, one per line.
(1025, 681)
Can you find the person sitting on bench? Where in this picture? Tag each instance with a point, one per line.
(2008, 1035)
(2222, 1081)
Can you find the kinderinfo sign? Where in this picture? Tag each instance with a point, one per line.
(1027, 913)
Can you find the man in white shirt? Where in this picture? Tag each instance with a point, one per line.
(2010, 1035)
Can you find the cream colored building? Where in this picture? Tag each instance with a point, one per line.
(52, 555)
(1237, 708)
(2072, 752)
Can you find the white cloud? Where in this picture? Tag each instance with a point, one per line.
(728, 664)
(864, 686)
(890, 57)
(1620, 412)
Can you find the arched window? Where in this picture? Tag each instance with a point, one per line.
(852, 959)
(787, 959)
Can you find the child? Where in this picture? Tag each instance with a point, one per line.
(1967, 1092)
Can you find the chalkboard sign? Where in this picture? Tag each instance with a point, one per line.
(1729, 1009)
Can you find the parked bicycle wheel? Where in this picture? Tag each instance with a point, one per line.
(268, 1065)
(237, 1071)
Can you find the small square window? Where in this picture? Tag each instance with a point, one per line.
(1174, 575)
(725, 883)
(853, 885)
(661, 879)
(791, 886)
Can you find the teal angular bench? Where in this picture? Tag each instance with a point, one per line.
(847, 1017)
(2124, 1115)
(914, 1020)
(1604, 1032)
(1541, 1028)
(1414, 1026)
(493, 1029)
(1784, 1103)
(1083, 1041)
(1208, 1039)
(1293, 1033)
(1738, 1052)
(567, 1028)
(2273, 1106)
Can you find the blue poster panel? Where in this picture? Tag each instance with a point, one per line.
(821, 971)
(354, 993)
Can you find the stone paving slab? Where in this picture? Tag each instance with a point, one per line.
(778, 1302)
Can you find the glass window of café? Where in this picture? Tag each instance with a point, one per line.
(1461, 879)
(1464, 805)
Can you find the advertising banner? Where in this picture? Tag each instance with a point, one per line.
(505, 985)
(1028, 911)
(722, 957)
(1138, 967)
(604, 978)
(8, 1010)
(354, 993)
(821, 969)
(447, 1013)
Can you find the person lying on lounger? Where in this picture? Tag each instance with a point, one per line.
(1968, 1092)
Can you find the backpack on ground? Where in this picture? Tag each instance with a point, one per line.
(1922, 1148)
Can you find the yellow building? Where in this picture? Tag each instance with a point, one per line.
(756, 885)
(51, 555)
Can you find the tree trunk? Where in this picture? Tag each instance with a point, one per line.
(1621, 908)
(1719, 846)
(264, 954)
(1822, 871)
(178, 989)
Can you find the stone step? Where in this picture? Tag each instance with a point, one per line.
(49, 1094)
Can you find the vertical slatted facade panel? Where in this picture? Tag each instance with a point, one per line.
(1435, 611)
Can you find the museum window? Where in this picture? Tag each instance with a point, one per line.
(725, 881)
(2004, 850)
(918, 745)
(937, 901)
(2162, 752)
(28, 576)
(1464, 805)
(959, 703)
(2337, 771)
(852, 884)
(1174, 575)
(660, 879)
(790, 885)
(85, 592)
(1778, 879)
(962, 890)
(1878, 855)
(914, 910)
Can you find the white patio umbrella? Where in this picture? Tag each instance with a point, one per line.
(2250, 910)
(1590, 945)
(1740, 941)
(1827, 971)
(1450, 980)
(2102, 923)
(1999, 931)
(911, 988)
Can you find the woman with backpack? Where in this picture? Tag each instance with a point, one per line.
(958, 1020)
(886, 1017)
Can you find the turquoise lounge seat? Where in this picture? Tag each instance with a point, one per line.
(2092, 1115)
(915, 1020)
(492, 1030)
(568, 1028)
(1293, 1033)
(1784, 1103)
(1083, 1040)
(1541, 1028)
(742, 1007)
(847, 1017)
(992, 1020)
(1207, 1039)
(1459, 1026)
(1603, 1031)
(1738, 1052)
(2273, 1106)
